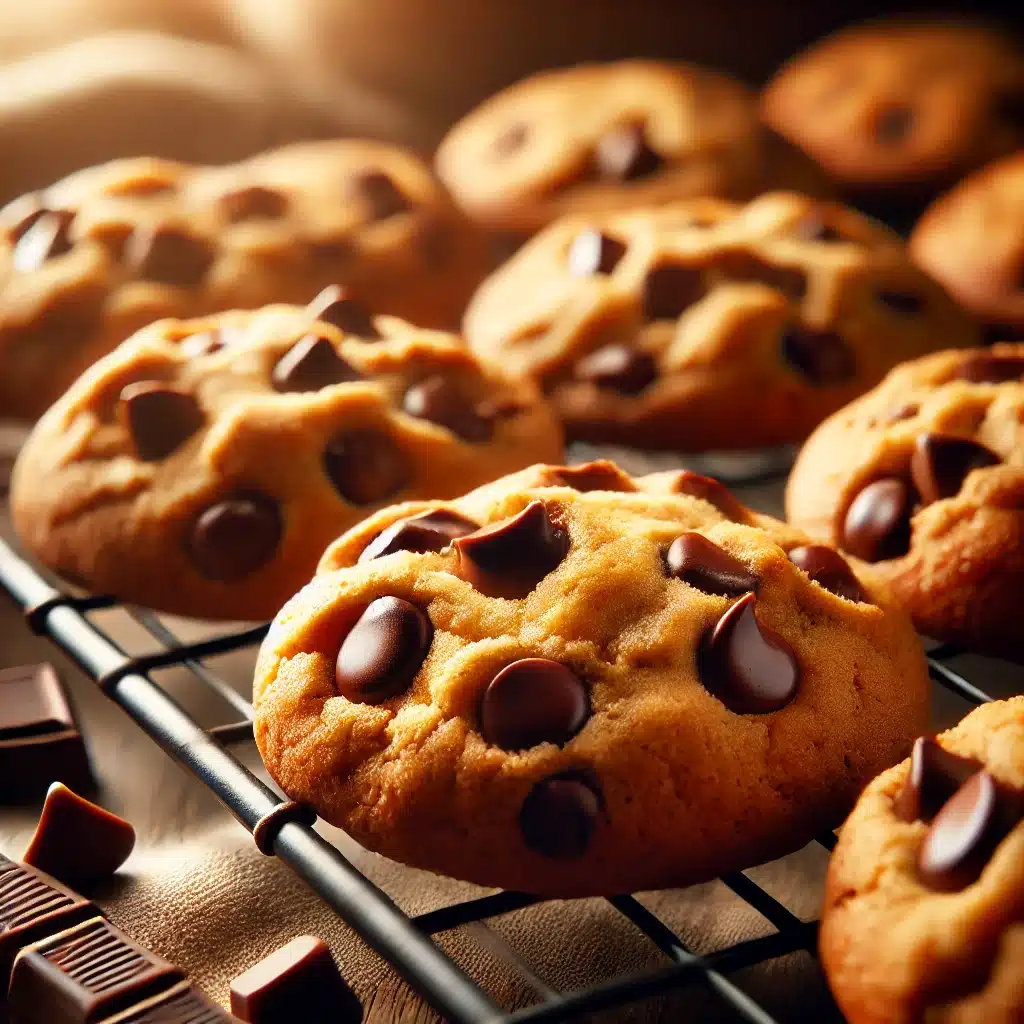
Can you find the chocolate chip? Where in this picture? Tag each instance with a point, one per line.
(509, 558)
(712, 491)
(159, 418)
(893, 124)
(47, 238)
(823, 357)
(310, 364)
(624, 154)
(512, 138)
(670, 289)
(383, 651)
(21, 214)
(438, 400)
(252, 203)
(336, 307)
(904, 303)
(941, 463)
(744, 266)
(813, 228)
(935, 775)
(877, 523)
(700, 562)
(748, 667)
(591, 476)
(992, 369)
(618, 367)
(236, 536)
(429, 531)
(593, 252)
(828, 569)
(559, 816)
(170, 256)
(366, 466)
(380, 194)
(533, 701)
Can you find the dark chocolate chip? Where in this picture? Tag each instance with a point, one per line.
(935, 775)
(252, 203)
(47, 238)
(380, 194)
(383, 651)
(823, 357)
(366, 466)
(700, 562)
(670, 289)
(592, 476)
(438, 400)
(22, 214)
(509, 558)
(511, 139)
(904, 303)
(624, 154)
(310, 364)
(828, 569)
(169, 255)
(744, 266)
(813, 228)
(159, 418)
(877, 523)
(747, 666)
(533, 701)
(429, 531)
(941, 463)
(893, 124)
(559, 816)
(593, 252)
(336, 307)
(619, 368)
(236, 536)
(713, 491)
(992, 369)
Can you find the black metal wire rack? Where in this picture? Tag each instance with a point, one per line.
(406, 942)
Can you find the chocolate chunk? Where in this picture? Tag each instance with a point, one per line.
(76, 840)
(310, 364)
(698, 561)
(593, 252)
(624, 154)
(380, 194)
(336, 306)
(941, 463)
(510, 139)
(823, 357)
(48, 237)
(383, 651)
(599, 475)
(744, 266)
(159, 418)
(438, 400)
(893, 124)
(509, 558)
(992, 369)
(169, 255)
(429, 531)
(252, 203)
(619, 368)
(179, 1005)
(747, 666)
(559, 815)
(39, 740)
(935, 775)
(21, 214)
(905, 303)
(366, 466)
(234, 537)
(670, 289)
(533, 701)
(713, 491)
(877, 523)
(828, 569)
(813, 228)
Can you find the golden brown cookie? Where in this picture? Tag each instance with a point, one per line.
(573, 682)
(692, 329)
(110, 249)
(923, 480)
(924, 901)
(603, 137)
(204, 465)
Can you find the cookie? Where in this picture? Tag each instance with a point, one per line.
(923, 481)
(108, 250)
(604, 137)
(924, 900)
(204, 465)
(693, 329)
(902, 107)
(572, 682)
(972, 240)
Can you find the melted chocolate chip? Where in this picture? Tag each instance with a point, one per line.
(512, 138)
(823, 357)
(558, 817)
(252, 203)
(366, 466)
(383, 651)
(169, 255)
(828, 569)
(310, 364)
(619, 368)
(624, 154)
(941, 463)
(159, 418)
(336, 307)
(381, 195)
(712, 491)
(905, 303)
(670, 289)
(893, 124)
(698, 561)
(509, 558)
(533, 701)
(593, 252)
(877, 523)
(935, 775)
(236, 536)
(992, 369)
(748, 667)
(438, 400)
(429, 531)
(591, 476)
(48, 237)
(744, 266)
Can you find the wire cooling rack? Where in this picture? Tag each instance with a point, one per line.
(406, 942)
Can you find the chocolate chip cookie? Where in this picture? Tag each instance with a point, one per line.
(923, 481)
(924, 901)
(597, 138)
(204, 465)
(675, 329)
(574, 682)
(101, 254)
(972, 240)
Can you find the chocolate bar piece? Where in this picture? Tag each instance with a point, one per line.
(180, 1005)
(39, 740)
